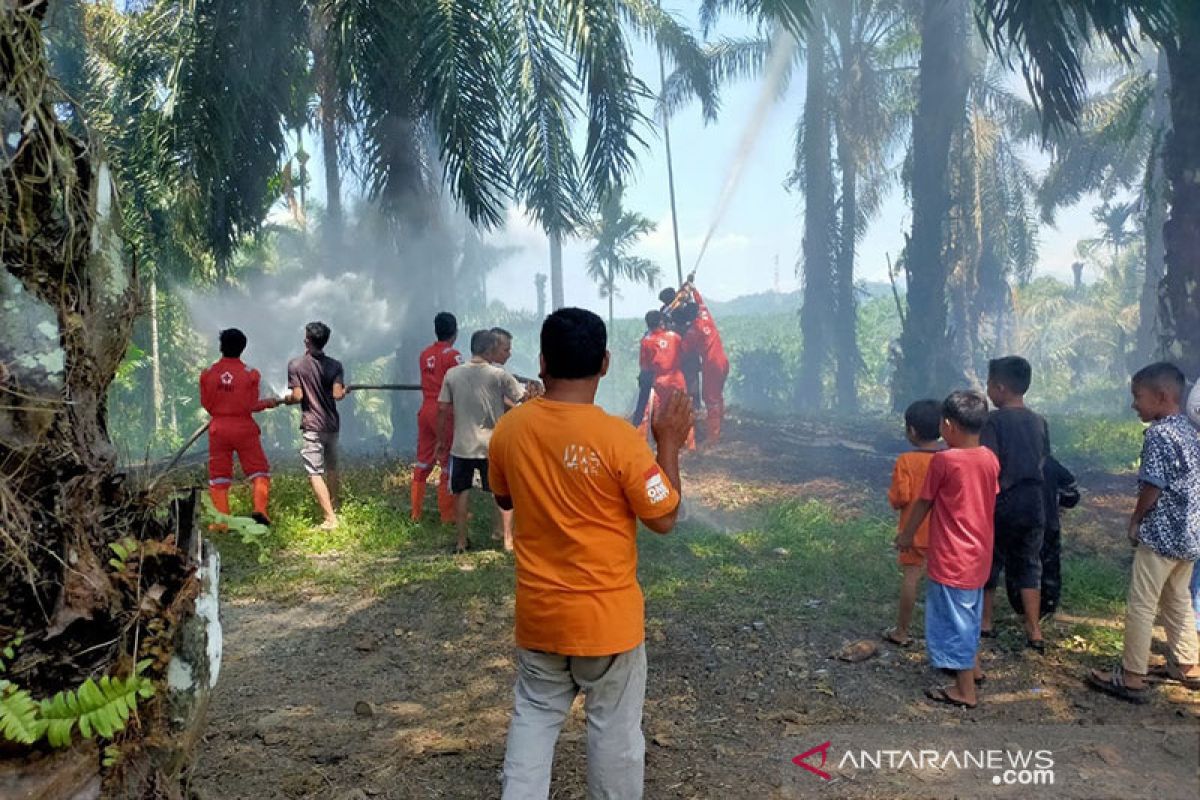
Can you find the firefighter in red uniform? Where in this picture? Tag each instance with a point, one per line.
(659, 360)
(703, 340)
(436, 361)
(229, 393)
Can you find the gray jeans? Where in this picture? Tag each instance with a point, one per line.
(614, 689)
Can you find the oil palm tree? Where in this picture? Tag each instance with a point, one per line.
(1118, 146)
(616, 233)
(1048, 37)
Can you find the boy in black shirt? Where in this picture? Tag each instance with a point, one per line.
(1021, 441)
(1059, 490)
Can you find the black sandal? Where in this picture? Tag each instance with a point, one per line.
(889, 636)
(938, 694)
(461, 549)
(989, 633)
(1116, 686)
(1170, 672)
(1038, 645)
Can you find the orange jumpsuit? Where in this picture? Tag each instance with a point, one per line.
(436, 361)
(703, 339)
(229, 393)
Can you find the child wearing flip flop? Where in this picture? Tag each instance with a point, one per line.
(1165, 532)
(959, 497)
(923, 427)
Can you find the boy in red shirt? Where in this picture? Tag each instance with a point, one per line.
(960, 490)
(436, 361)
(229, 392)
(922, 422)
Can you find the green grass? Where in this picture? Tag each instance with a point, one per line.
(1097, 443)
(796, 558)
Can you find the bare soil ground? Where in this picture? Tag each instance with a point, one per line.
(406, 694)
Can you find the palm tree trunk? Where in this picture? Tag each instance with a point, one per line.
(556, 273)
(666, 126)
(1154, 215)
(156, 386)
(815, 313)
(845, 343)
(327, 115)
(612, 290)
(941, 95)
(1179, 296)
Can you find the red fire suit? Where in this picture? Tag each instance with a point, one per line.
(436, 361)
(661, 354)
(703, 339)
(229, 393)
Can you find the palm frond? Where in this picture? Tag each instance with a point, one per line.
(592, 30)
(1049, 36)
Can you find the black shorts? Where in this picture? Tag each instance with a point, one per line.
(1018, 552)
(462, 474)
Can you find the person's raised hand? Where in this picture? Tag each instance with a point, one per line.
(672, 420)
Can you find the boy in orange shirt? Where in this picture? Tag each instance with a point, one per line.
(579, 481)
(922, 421)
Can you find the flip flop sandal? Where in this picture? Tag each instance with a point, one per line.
(938, 694)
(1038, 645)
(1115, 686)
(461, 549)
(990, 633)
(889, 636)
(1166, 672)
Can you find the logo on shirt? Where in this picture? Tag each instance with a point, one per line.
(656, 489)
(430, 363)
(226, 381)
(578, 458)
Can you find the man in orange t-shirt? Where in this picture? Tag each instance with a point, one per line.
(579, 481)
(436, 360)
(922, 426)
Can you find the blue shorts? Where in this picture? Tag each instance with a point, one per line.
(952, 618)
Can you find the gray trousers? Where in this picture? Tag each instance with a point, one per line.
(614, 689)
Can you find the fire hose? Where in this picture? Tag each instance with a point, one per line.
(195, 437)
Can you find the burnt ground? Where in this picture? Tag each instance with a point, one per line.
(405, 693)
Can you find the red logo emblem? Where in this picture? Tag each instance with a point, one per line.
(802, 761)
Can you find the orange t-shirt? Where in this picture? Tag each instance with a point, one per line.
(908, 477)
(579, 480)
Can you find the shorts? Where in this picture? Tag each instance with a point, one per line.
(319, 452)
(952, 619)
(1018, 552)
(462, 474)
(912, 557)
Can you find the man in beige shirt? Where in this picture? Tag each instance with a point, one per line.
(476, 392)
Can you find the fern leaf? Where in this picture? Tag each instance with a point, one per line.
(19, 720)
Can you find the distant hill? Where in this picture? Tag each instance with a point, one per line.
(752, 305)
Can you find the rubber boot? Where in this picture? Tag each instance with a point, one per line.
(445, 499)
(262, 496)
(418, 499)
(220, 500)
